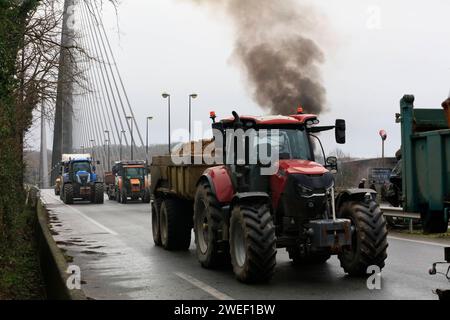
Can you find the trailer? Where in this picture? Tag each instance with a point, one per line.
(425, 164)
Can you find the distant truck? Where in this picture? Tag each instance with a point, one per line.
(78, 180)
(128, 180)
(422, 176)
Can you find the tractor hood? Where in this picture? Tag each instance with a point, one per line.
(302, 167)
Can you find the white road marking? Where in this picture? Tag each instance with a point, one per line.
(203, 286)
(91, 220)
(420, 242)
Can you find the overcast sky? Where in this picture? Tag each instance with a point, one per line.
(376, 51)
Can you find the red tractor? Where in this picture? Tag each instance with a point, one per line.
(242, 216)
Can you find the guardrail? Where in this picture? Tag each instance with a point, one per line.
(399, 213)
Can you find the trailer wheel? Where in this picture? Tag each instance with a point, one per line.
(99, 193)
(208, 222)
(252, 243)
(156, 207)
(434, 222)
(68, 194)
(369, 239)
(174, 226)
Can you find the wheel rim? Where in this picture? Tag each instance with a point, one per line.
(202, 228)
(239, 251)
(163, 224)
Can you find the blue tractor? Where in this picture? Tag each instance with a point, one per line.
(80, 182)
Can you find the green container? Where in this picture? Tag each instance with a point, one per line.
(426, 164)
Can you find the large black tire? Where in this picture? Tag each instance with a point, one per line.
(174, 225)
(146, 197)
(369, 239)
(156, 207)
(311, 259)
(434, 222)
(117, 193)
(123, 197)
(252, 243)
(208, 222)
(68, 193)
(99, 192)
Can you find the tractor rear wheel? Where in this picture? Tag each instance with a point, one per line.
(208, 222)
(68, 193)
(369, 239)
(99, 193)
(156, 207)
(252, 243)
(174, 226)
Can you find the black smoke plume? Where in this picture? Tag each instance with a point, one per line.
(280, 61)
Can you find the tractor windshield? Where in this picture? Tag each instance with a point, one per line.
(291, 144)
(81, 166)
(135, 172)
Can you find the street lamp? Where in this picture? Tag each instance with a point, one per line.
(167, 96)
(146, 143)
(383, 135)
(132, 138)
(109, 149)
(192, 96)
(93, 151)
(122, 134)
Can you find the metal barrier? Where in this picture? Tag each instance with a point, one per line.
(399, 213)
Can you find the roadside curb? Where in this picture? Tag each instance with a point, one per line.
(53, 262)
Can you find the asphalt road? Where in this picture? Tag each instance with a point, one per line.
(112, 244)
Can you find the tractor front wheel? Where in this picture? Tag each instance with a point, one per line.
(252, 243)
(369, 238)
(146, 197)
(68, 193)
(99, 191)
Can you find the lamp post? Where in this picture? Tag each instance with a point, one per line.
(109, 149)
(146, 142)
(383, 135)
(122, 133)
(192, 96)
(132, 138)
(167, 96)
(92, 148)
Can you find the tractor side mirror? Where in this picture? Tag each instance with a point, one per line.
(98, 163)
(341, 128)
(332, 164)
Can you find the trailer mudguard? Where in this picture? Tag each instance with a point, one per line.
(220, 182)
(354, 195)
